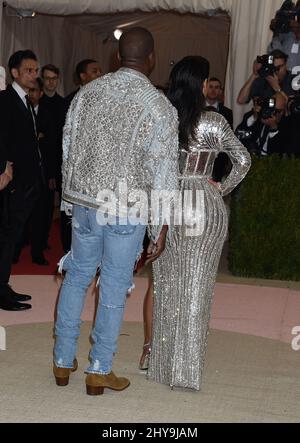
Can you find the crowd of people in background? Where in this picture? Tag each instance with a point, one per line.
(32, 115)
(271, 126)
(47, 142)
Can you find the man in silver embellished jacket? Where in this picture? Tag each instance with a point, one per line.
(120, 137)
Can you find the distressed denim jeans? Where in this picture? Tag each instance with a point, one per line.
(114, 248)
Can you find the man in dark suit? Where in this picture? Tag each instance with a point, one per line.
(213, 100)
(18, 133)
(86, 71)
(270, 132)
(41, 217)
(214, 91)
(55, 104)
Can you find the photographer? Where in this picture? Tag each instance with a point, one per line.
(270, 75)
(266, 129)
(250, 129)
(286, 28)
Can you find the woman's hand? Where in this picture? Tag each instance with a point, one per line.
(215, 184)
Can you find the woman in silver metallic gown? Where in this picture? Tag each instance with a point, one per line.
(185, 275)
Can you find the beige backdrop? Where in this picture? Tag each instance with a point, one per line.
(249, 31)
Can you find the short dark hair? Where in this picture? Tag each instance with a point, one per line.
(82, 67)
(279, 54)
(215, 79)
(17, 58)
(51, 68)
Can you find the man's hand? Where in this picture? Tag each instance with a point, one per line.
(156, 249)
(256, 67)
(215, 184)
(6, 176)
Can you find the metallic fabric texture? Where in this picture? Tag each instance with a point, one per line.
(119, 130)
(185, 274)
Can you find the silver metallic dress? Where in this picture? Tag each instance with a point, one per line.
(185, 275)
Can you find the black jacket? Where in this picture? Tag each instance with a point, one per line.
(2, 166)
(56, 107)
(227, 113)
(20, 143)
(47, 141)
(278, 144)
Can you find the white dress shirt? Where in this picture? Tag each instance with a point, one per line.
(20, 91)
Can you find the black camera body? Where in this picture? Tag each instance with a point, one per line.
(286, 13)
(267, 62)
(248, 139)
(268, 108)
(244, 134)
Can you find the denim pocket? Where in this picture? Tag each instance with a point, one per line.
(122, 230)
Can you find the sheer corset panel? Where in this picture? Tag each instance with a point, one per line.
(197, 163)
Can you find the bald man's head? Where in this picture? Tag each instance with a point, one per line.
(136, 45)
(281, 100)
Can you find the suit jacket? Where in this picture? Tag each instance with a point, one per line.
(2, 166)
(56, 107)
(47, 141)
(20, 143)
(69, 98)
(227, 113)
(280, 143)
(3, 156)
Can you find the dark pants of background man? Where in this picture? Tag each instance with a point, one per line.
(40, 222)
(16, 207)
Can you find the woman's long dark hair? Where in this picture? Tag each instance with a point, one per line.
(186, 94)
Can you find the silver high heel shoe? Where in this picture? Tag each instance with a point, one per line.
(144, 361)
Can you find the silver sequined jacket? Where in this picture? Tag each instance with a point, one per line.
(119, 128)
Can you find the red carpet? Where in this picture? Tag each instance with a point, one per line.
(25, 265)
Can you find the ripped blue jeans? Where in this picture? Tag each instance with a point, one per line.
(114, 248)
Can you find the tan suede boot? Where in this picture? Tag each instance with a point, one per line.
(95, 383)
(62, 374)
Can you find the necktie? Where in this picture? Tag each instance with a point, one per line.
(32, 113)
(33, 116)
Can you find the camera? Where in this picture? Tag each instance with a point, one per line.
(268, 68)
(244, 134)
(268, 108)
(248, 139)
(284, 15)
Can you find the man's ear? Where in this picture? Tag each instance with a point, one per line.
(15, 73)
(82, 78)
(152, 60)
